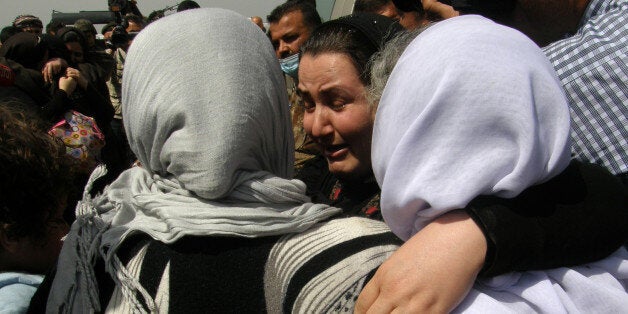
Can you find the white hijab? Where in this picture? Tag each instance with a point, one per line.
(471, 108)
(206, 113)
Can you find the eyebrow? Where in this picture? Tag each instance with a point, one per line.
(325, 93)
(301, 92)
(334, 90)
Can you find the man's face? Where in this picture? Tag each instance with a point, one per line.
(288, 34)
(33, 29)
(133, 27)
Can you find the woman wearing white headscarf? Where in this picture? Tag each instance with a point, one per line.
(199, 226)
(473, 108)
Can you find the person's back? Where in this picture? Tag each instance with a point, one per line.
(211, 219)
(593, 67)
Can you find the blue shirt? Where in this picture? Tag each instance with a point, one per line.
(593, 68)
(16, 291)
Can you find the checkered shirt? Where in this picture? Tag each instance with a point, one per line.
(592, 65)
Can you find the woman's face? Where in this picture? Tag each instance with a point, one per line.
(76, 52)
(337, 115)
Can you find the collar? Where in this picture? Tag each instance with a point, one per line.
(595, 8)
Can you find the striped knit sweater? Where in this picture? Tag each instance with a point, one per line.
(321, 270)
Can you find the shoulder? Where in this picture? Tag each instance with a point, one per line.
(324, 269)
(16, 291)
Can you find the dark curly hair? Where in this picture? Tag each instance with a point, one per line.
(36, 174)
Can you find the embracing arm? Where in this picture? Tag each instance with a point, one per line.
(577, 217)
(431, 272)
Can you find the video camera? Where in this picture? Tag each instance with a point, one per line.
(123, 7)
(120, 8)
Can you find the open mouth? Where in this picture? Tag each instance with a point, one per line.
(332, 152)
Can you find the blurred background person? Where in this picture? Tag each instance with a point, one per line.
(53, 27)
(7, 32)
(29, 23)
(259, 22)
(154, 16)
(585, 42)
(187, 5)
(382, 7)
(106, 32)
(290, 25)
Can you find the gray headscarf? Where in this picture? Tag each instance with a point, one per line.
(206, 113)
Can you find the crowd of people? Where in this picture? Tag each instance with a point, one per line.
(414, 156)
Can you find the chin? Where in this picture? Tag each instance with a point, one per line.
(349, 173)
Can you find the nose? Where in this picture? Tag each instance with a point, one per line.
(318, 124)
(284, 50)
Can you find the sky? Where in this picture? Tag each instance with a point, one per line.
(43, 8)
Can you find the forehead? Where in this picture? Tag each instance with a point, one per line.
(74, 46)
(290, 23)
(327, 70)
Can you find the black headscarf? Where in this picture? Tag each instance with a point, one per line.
(25, 48)
(409, 5)
(377, 28)
(367, 34)
(494, 9)
(63, 35)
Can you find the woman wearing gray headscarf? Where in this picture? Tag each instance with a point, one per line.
(211, 220)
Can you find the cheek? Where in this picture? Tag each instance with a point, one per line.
(297, 43)
(356, 127)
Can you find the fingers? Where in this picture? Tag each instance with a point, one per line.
(367, 297)
(47, 73)
(52, 68)
(67, 84)
(371, 300)
(76, 74)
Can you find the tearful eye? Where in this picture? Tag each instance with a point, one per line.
(337, 105)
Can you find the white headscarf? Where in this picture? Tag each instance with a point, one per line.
(471, 108)
(206, 113)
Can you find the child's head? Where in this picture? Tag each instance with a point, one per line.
(36, 181)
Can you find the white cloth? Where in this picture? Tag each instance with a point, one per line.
(474, 108)
(206, 114)
(482, 113)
